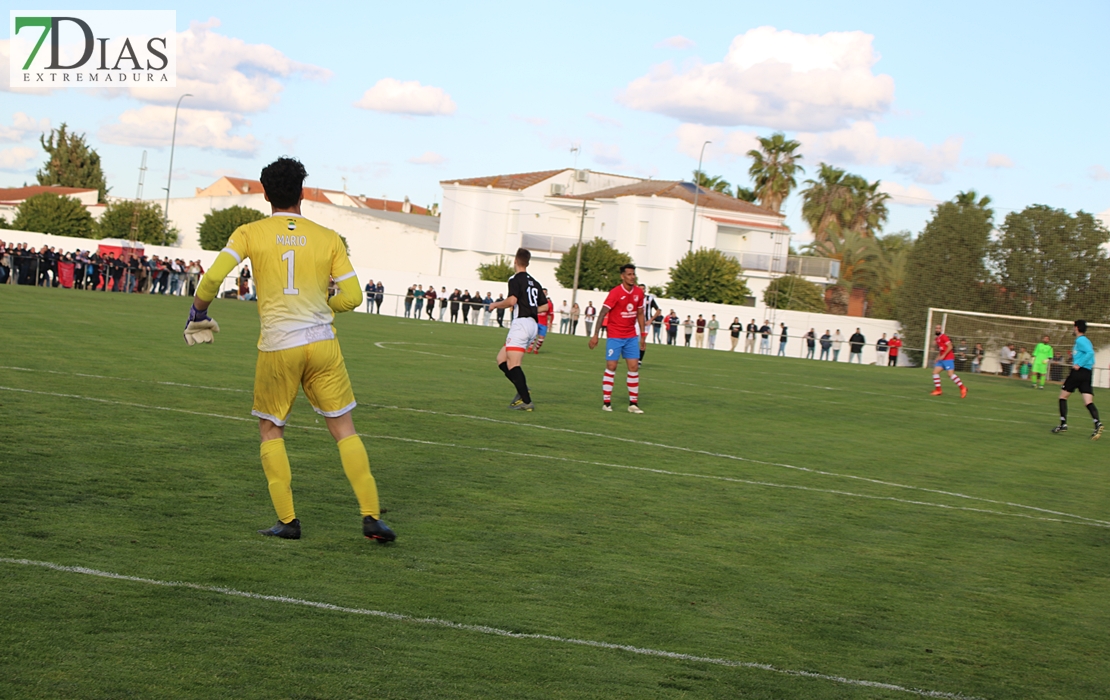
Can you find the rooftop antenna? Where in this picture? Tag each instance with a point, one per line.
(344, 184)
(575, 150)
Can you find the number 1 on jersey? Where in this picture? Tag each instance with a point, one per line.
(288, 258)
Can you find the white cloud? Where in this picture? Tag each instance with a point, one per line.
(5, 82)
(1097, 172)
(911, 196)
(409, 97)
(22, 127)
(602, 119)
(726, 146)
(998, 160)
(17, 159)
(428, 158)
(607, 154)
(152, 125)
(676, 42)
(534, 121)
(772, 78)
(860, 144)
(226, 73)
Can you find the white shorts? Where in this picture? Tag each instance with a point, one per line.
(522, 331)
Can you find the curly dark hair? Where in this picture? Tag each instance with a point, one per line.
(283, 181)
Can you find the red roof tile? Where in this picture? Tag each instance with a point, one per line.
(680, 190)
(746, 224)
(18, 194)
(517, 181)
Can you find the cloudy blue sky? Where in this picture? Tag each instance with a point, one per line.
(1008, 98)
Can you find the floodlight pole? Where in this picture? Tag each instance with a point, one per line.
(578, 257)
(697, 189)
(169, 178)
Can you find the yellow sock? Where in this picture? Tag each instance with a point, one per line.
(356, 465)
(276, 465)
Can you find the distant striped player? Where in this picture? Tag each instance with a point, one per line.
(946, 360)
(1079, 379)
(1042, 357)
(624, 311)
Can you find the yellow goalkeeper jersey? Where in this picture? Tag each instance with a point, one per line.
(293, 260)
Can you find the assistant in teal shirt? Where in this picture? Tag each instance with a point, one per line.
(1083, 354)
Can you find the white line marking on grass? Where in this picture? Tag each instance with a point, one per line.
(128, 379)
(483, 629)
(721, 455)
(1076, 519)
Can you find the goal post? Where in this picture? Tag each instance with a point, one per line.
(994, 331)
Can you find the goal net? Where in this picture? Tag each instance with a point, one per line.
(967, 329)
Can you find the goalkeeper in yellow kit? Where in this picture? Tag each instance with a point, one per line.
(294, 259)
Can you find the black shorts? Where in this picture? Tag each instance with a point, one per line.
(1079, 380)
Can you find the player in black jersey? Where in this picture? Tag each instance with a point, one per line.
(527, 300)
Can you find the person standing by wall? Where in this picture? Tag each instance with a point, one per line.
(443, 301)
(895, 345)
(464, 301)
(486, 311)
(811, 343)
(713, 326)
(564, 317)
(838, 342)
(418, 301)
(456, 298)
(734, 330)
(430, 301)
(369, 296)
(575, 314)
(410, 295)
(672, 321)
(784, 335)
(590, 314)
(749, 336)
(765, 338)
(855, 346)
(699, 339)
(500, 311)
(826, 345)
(882, 350)
(379, 296)
(688, 329)
(657, 326)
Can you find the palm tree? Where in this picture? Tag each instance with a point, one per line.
(869, 210)
(826, 203)
(746, 194)
(774, 170)
(859, 255)
(716, 183)
(971, 198)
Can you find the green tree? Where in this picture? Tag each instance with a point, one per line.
(150, 227)
(1052, 264)
(708, 275)
(794, 293)
(746, 194)
(218, 225)
(945, 268)
(775, 170)
(4, 223)
(71, 162)
(51, 213)
(716, 183)
(600, 269)
(838, 201)
(890, 266)
(500, 270)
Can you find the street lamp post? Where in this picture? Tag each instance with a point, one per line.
(697, 189)
(169, 178)
(578, 258)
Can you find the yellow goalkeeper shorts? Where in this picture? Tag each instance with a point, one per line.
(318, 367)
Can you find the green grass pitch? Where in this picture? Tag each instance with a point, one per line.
(806, 516)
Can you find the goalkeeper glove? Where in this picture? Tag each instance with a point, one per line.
(199, 328)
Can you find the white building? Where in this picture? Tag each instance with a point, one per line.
(487, 217)
(12, 197)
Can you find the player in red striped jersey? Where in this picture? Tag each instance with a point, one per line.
(624, 310)
(946, 360)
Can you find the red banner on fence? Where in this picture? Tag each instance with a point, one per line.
(65, 274)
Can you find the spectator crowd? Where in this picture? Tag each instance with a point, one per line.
(81, 269)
